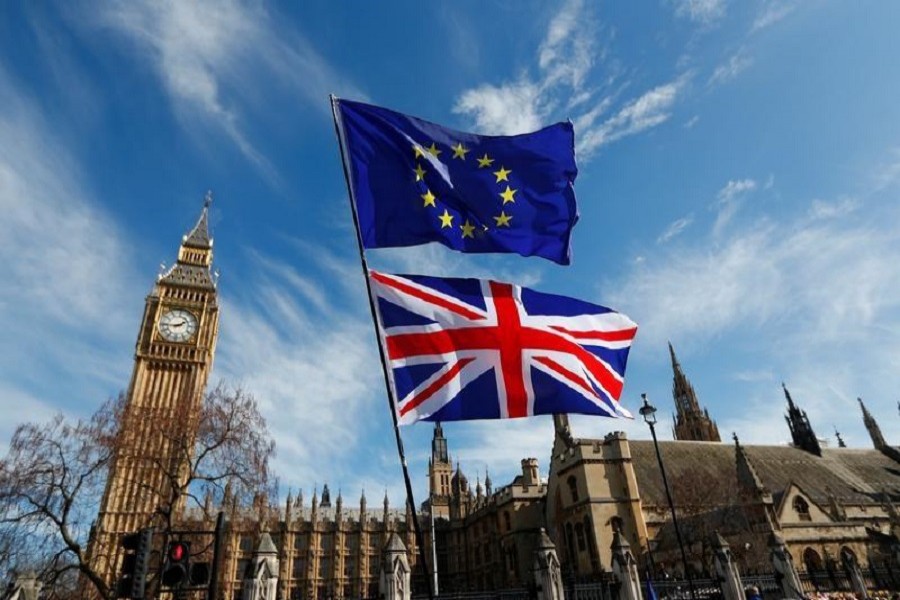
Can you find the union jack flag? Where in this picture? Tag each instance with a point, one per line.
(462, 349)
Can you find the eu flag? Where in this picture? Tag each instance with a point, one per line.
(416, 182)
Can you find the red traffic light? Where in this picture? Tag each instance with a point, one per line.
(177, 552)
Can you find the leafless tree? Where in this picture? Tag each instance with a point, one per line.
(54, 474)
(706, 507)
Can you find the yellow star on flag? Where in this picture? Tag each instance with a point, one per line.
(429, 199)
(502, 174)
(467, 229)
(420, 172)
(433, 150)
(418, 150)
(446, 219)
(508, 194)
(459, 151)
(503, 220)
(485, 161)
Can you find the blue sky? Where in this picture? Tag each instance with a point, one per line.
(738, 188)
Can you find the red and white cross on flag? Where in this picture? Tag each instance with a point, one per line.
(461, 349)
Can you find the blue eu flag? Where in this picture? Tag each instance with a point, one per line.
(415, 182)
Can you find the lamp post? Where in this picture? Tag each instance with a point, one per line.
(648, 411)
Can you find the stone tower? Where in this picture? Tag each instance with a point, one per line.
(691, 422)
(173, 357)
(801, 431)
(440, 470)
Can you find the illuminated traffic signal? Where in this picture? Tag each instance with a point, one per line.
(136, 559)
(177, 565)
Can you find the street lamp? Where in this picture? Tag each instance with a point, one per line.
(648, 411)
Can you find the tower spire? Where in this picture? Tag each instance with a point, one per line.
(802, 432)
(872, 427)
(192, 269)
(691, 422)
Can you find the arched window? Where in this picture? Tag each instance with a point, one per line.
(507, 521)
(570, 542)
(802, 508)
(812, 561)
(591, 544)
(573, 488)
(848, 557)
(579, 533)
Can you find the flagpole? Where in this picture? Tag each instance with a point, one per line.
(392, 402)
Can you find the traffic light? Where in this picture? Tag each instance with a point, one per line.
(177, 565)
(136, 559)
(200, 572)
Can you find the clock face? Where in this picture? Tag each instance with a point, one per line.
(177, 325)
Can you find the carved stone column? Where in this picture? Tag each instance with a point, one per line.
(625, 569)
(785, 572)
(394, 583)
(726, 569)
(547, 574)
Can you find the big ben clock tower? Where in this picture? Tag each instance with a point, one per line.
(173, 357)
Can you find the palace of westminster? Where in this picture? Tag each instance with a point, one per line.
(820, 500)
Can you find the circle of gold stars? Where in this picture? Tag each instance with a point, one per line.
(467, 229)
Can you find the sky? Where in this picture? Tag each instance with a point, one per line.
(739, 178)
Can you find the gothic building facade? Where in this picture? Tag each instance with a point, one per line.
(824, 502)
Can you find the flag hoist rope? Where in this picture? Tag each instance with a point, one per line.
(392, 401)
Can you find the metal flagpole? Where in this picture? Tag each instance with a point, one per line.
(338, 129)
(434, 566)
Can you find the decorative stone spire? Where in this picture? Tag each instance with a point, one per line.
(801, 431)
(199, 235)
(288, 508)
(840, 440)
(326, 497)
(488, 488)
(194, 257)
(691, 422)
(362, 502)
(872, 427)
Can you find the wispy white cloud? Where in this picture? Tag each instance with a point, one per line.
(646, 111)
(565, 60)
(212, 57)
(700, 11)
(306, 364)
(506, 109)
(771, 13)
(822, 209)
(674, 228)
(887, 173)
(819, 270)
(810, 290)
(728, 202)
(65, 266)
(734, 66)
(691, 122)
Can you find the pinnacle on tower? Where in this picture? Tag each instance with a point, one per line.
(199, 235)
(840, 440)
(802, 432)
(439, 452)
(872, 427)
(691, 422)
